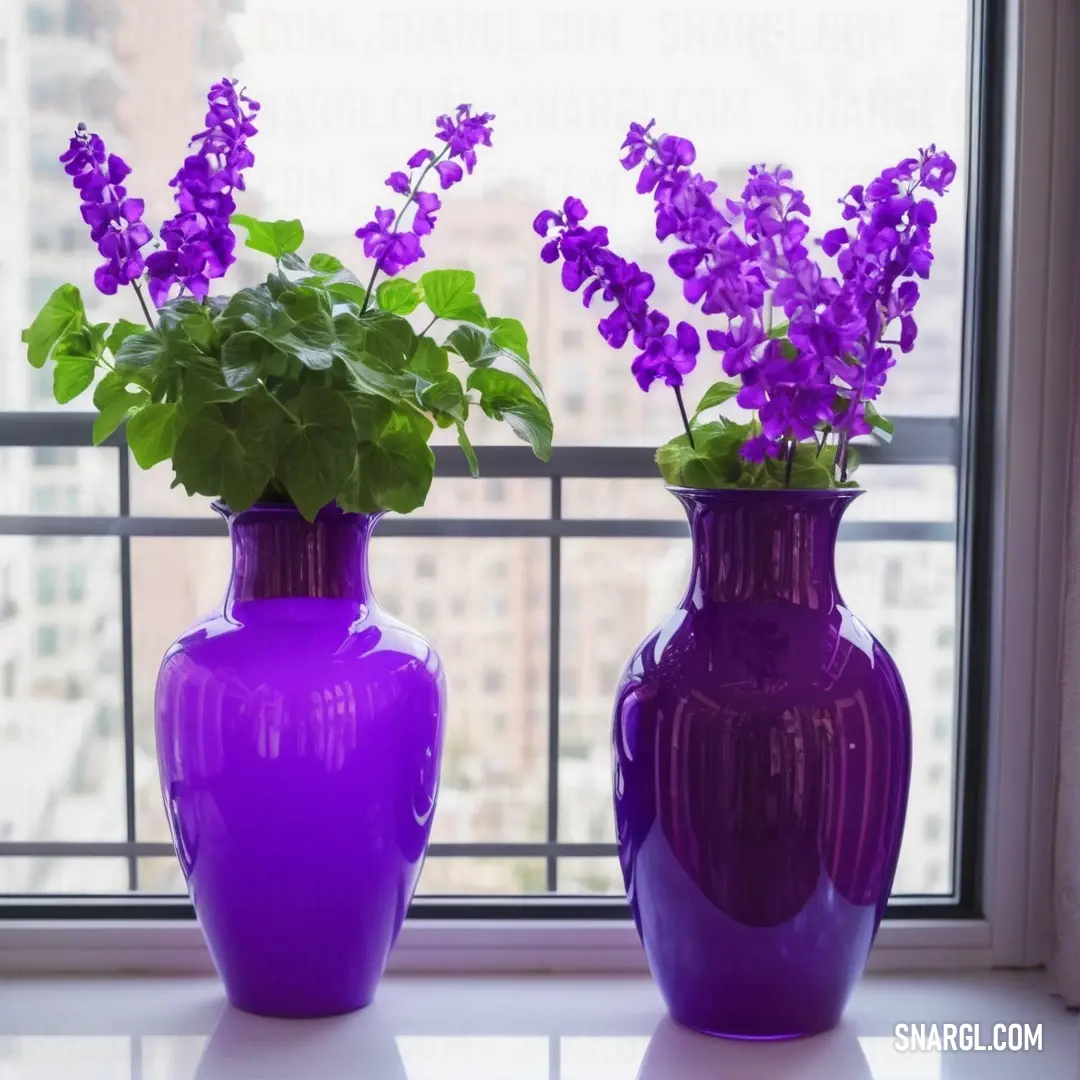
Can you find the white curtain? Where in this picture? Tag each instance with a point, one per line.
(1067, 829)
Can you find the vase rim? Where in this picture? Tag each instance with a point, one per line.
(289, 509)
(773, 494)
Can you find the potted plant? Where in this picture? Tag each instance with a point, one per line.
(761, 735)
(299, 727)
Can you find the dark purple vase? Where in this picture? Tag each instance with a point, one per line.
(299, 733)
(762, 753)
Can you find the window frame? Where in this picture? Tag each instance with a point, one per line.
(1018, 340)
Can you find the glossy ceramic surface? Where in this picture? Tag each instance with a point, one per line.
(762, 757)
(299, 733)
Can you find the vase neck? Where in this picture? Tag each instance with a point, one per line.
(277, 553)
(764, 545)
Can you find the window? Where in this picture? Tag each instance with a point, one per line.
(48, 641)
(46, 585)
(46, 456)
(488, 599)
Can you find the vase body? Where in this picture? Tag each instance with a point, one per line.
(299, 735)
(762, 759)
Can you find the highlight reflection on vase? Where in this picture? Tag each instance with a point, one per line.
(762, 758)
(299, 734)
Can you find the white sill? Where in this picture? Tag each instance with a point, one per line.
(509, 1028)
(459, 947)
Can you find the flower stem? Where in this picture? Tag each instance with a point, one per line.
(434, 320)
(685, 418)
(789, 454)
(397, 221)
(142, 302)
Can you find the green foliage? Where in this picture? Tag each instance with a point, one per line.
(717, 394)
(274, 238)
(714, 461)
(305, 387)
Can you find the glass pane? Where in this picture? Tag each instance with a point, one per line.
(449, 875)
(591, 877)
(615, 591)
(162, 876)
(63, 876)
(59, 480)
(831, 137)
(61, 698)
(174, 581)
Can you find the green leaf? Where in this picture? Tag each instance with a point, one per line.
(246, 358)
(71, 376)
(469, 342)
(115, 400)
(62, 313)
(322, 263)
(232, 458)
(203, 384)
(467, 448)
(399, 296)
(318, 454)
(882, 426)
(392, 470)
(443, 395)
(143, 350)
(780, 330)
(123, 329)
(510, 335)
(717, 394)
(345, 290)
(506, 397)
(449, 294)
(275, 238)
(388, 339)
(712, 462)
(428, 359)
(152, 433)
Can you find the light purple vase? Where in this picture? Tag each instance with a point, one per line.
(299, 733)
(762, 758)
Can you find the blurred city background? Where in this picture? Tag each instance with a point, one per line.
(348, 93)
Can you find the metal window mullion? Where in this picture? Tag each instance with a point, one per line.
(128, 668)
(554, 680)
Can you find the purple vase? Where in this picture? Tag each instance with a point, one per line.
(299, 733)
(762, 757)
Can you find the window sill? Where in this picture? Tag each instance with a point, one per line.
(475, 946)
(531, 1028)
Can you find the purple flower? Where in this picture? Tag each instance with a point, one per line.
(115, 220)
(427, 202)
(198, 241)
(589, 261)
(385, 237)
(393, 250)
(747, 260)
(449, 173)
(463, 132)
